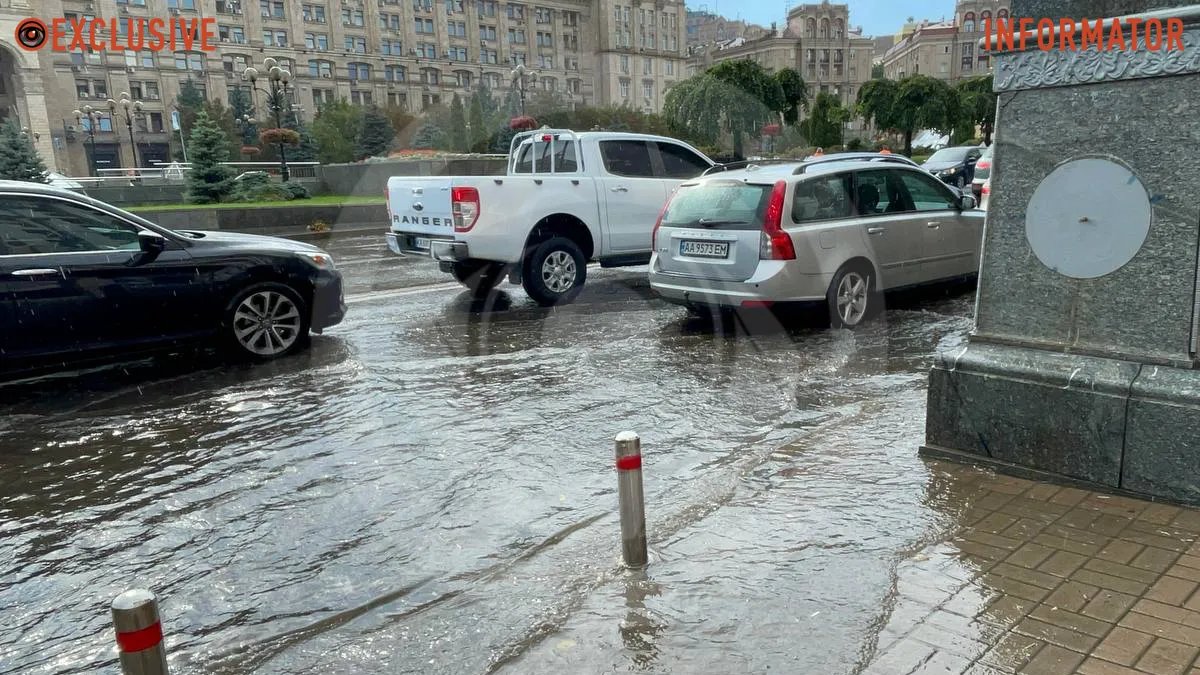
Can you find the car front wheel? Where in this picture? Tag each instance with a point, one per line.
(554, 271)
(267, 321)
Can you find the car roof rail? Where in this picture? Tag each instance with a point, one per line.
(855, 157)
(746, 164)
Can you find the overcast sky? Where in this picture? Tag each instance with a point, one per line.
(877, 17)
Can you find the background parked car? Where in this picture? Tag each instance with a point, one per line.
(985, 194)
(983, 171)
(80, 279)
(955, 166)
(837, 231)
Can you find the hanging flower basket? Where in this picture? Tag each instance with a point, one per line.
(250, 150)
(772, 130)
(276, 136)
(522, 123)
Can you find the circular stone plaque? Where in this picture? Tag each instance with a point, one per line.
(1088, 218)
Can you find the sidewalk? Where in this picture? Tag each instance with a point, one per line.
(1041, 579)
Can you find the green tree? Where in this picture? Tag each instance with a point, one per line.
(705, 106)
(375, 135)
(307, 150)
(429, 136)
(823, 127)
(925, 103)
(877, 104)
(877, 72)
(476, 116)
(209, 179)
(456, 124)
(19, 160)
(978, 104)
(223, 118)
(189, 102)
(335, 130)
(239, 105)
(794, 92)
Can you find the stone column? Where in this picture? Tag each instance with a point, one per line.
(1082, 364)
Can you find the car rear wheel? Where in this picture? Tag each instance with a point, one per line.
(267, 321)
(851, 297)
(554, 271)
(479, 276)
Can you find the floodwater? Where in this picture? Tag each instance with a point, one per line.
(430, 489)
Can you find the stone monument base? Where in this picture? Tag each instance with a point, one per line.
(1104, 422)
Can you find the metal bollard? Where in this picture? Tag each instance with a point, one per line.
(139, 633)
(629, 490)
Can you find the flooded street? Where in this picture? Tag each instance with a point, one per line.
(430, 488)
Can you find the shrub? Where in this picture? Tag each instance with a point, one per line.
(296, 190)
(319, 227)
(522, 123)
(258, 187)
(855, 145)
(277, 136)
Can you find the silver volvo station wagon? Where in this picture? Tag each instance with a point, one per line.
(840, 229)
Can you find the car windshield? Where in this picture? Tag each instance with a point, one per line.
(718, 203)
(949, 155)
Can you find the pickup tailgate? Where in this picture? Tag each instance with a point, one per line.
(418, 210)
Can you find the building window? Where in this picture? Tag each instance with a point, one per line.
(549, 84)
(624, 64)
(431, 76)
(515, 11)
(570, 19)
(156, 122)
(352, 17)
(394, 73)
(320, 69)
(647, 66)
(517, 58)
(648, 90)
(457, 28)
(185, 61)
(313, 13)
(670, 67)
(424, 26)
(462, 78)
(570, 42)
(397, 99)
(234, 63)
(624, 88)
(277, 38)
(271, 8)
(545, 61)
(389, 21)
(360, 97)
(457, 53)
(359, 71)
(492, 80)
(485, 8)
(487, 56)
(322, 96)
(182, 4)
(83, 89)
(574, 86)
(102, 124)
(422, 5)
(232, 34)
(454, 7)
(572, 63)
(426, 50)
(358, 45)
(318, 41)
(545, 39)
(429, 100)
(391, 47)
(543, 15)
(487, 33)
(516, 36)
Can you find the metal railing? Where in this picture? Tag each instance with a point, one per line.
(176, 172)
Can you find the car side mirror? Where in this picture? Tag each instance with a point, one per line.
(966, 202)
(152, 243)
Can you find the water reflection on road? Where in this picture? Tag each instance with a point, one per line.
(429, 489)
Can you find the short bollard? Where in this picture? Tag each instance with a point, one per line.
(139, 633)
(629, 490)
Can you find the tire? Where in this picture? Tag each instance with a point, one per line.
(266, 321)
(851, 297)
(479, 276)
(960, 181)
(554, 271)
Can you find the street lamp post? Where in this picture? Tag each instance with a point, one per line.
(519, 76)
(278, 81)
(93, 117)
(244, 122)
(131, 109)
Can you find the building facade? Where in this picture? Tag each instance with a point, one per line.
(406, 53)
(948, 50)
(704, 28)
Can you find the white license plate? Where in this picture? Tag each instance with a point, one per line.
(704, 249)
(421, 243)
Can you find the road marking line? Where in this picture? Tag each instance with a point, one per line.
(384, 295)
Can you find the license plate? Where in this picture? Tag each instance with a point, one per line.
(704, 249)
(421, 243)
(394, 243)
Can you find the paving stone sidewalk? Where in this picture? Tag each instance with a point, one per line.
(1043, 579)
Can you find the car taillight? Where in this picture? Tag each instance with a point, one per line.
(983, 164)
(774, 243)
(464, 206)
(987, 188)
(658, 223)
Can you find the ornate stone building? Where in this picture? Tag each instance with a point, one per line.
(946, 50)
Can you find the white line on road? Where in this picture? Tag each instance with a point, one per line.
(399, 293)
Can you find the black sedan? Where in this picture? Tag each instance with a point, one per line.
(80, 279)
(955, 166)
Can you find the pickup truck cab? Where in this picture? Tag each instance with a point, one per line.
(567, 199)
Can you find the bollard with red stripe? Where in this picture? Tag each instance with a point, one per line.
(139, 633)
(629, 492)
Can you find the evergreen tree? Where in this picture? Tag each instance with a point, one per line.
(190, 102)
(19, 160)
(477, 139)
(376, 133)
(335, 130)
(457, 124)
(239, 105)
(209, 180)
(307, 151)
(429, 136)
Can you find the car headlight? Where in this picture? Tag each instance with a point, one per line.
(319, 259)
(948, 172)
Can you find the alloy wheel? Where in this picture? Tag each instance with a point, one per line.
(266, 323)
(558, 271)
(852, 298)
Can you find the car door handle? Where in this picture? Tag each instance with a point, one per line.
(876, 230)
(933, 224)
(36, 272)
(619, 188)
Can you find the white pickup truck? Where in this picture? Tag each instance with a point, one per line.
(568, 198)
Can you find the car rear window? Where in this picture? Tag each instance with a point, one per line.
(720, 204)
